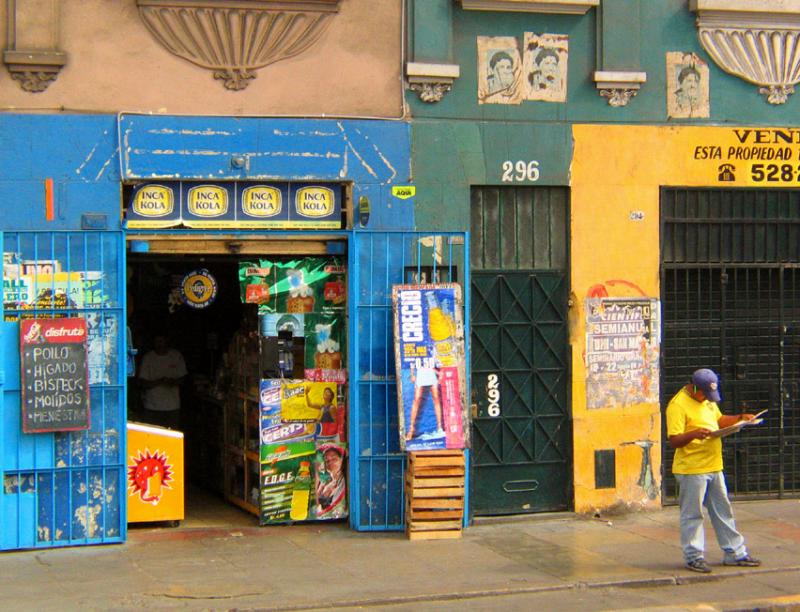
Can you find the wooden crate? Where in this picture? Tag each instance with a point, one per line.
(435, 494)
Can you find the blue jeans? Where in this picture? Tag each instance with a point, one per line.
(709, 490)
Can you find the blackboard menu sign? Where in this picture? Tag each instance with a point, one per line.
(55, 374)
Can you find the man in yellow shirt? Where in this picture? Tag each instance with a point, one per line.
(692, 414)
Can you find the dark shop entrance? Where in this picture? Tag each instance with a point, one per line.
(247, 337)
(730, 291)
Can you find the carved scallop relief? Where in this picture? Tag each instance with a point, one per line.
(755, 40)
(234, 38)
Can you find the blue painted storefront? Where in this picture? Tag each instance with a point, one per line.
(69, 488)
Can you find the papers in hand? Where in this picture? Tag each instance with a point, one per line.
(736, 427)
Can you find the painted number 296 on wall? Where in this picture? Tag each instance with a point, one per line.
(519, 171)
(493, 395)
(774, 173)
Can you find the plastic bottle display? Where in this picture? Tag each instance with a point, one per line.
(301, 492)
(441, 329)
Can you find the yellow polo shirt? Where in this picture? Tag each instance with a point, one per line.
(684, 413)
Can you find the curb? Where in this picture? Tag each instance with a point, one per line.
(464, 595)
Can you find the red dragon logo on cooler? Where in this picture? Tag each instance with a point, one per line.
(148, 475)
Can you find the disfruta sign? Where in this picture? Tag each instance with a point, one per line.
(54, 375)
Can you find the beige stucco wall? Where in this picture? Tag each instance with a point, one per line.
(114, 64)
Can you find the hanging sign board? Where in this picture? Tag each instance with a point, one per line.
(208, 205)
(154, 205)
(54, 375)
(429, 358)
(262, 205)
(235, 205)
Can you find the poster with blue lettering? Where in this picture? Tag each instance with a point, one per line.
(430, 366)
(318, 205)
(262, 205)
(209, 205)
(623, 349)
(154, 205)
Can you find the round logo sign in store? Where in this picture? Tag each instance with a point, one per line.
(198, 289)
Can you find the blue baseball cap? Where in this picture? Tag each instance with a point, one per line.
(708, 382)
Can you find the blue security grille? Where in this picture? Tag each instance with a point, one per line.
(65, 488)
(379, 260)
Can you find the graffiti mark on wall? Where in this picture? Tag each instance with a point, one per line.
(622, 350)
(646, 478)
(615, 288)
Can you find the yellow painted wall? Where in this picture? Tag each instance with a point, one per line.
(615, 179)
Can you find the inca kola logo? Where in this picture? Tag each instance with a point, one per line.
(262, 201)
(208, 201)
(154, 201)
(314, 201)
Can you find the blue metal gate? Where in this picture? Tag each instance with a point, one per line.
(64, 488)
(378, 260)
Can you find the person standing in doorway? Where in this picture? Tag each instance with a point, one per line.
(692, 416)
(161, 374)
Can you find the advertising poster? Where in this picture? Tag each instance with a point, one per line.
(235, 205)
(286, 482)
(429, 358)
(622, 351)
(311, 284)
(330, 488)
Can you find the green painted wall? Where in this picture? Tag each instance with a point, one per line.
(458, 143)
(450, 156)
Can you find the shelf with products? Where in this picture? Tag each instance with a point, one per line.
(242, 420)
(286, 405)
(242, 453)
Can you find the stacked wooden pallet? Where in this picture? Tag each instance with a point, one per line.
(435, 494)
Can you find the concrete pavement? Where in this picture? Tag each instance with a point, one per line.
(308, 566)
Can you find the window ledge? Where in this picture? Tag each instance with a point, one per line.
(431, 81)
(569, 7)
(746, 12)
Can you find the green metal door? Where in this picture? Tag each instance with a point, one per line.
(520, 373)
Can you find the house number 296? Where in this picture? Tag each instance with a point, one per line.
(515, 172)
(493, 395)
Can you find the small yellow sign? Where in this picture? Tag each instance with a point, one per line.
(314, 202)
(404, 192)
(154, 201)
(208, 201)
(262, 201)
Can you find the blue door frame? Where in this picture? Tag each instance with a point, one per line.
(51, 479)
(378, 260)
(67, 488)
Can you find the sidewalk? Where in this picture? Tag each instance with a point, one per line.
(311, 565)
